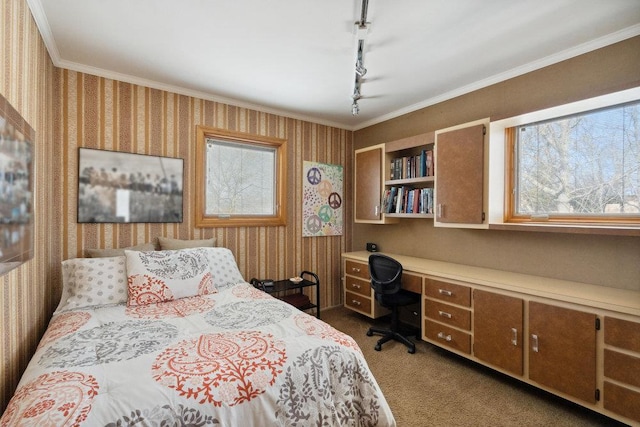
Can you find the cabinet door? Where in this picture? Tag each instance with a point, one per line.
(562, 350)
(497, 330)
(460, 176)
(368, 184)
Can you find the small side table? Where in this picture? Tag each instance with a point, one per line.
(280, 287)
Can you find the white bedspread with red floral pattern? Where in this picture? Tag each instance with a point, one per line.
(235, 358)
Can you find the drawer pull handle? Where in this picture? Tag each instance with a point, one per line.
(444, 336)
(514, 337)
(356, 270)
(355, 285)
(445, 314)
(355, 302)
(534, 343)
(445, 292)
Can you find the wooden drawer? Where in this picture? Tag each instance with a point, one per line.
(622, 400)
(449, 314)
(412, 283)
(358, 269)
(358, 302)
(447, 336)
(622, 367)
(449, 292)
(622, 333)
(358, 286)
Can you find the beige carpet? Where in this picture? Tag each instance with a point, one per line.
(434, 387)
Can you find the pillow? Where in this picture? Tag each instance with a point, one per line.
(160, 276)
(93, 281)
(223, 267)
(173, 244)
(101, 253)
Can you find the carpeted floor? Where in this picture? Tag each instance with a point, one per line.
(434, 387)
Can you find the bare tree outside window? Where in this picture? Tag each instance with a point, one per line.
(240, 179)
(580, 166)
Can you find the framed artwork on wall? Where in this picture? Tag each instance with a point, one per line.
(123, 187)
(16, 188)
(321, 199)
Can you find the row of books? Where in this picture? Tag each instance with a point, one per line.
(403, 199)
(412, 166)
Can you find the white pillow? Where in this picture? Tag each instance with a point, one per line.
(160, 276)
(224, 268)
(93, 281)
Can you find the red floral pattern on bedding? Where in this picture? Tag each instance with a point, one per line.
(145, 289)
(59, 398)
(229, 368)
(64, 324)
(249, 291)
(171, 309)
(206, 285)
(314, 327)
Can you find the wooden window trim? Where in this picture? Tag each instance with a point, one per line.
(511, 217)
(204, 221)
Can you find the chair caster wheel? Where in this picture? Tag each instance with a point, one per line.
(369, 333)
(412, 350)
(378, 347)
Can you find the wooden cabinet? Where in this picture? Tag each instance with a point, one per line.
(498, 330)
(562, 350)
(358, 294)
(622, 367)
(460, 185)
(447, 315)
(368, 182)
(578, 341)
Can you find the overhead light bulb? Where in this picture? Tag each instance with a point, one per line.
(355, 109)
(360, 70)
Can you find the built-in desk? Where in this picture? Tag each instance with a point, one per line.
(576, 340)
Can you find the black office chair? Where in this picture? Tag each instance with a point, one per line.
(386, 281)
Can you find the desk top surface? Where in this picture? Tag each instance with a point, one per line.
(615, 299)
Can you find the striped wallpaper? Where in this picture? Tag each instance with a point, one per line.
(69, 110)
(100, 113)
(26, 81)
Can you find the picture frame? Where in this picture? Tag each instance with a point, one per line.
(120, 187)
(16, 188)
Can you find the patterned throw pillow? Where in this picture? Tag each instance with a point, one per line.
(160, 276)
(93, 281)
(223, 267)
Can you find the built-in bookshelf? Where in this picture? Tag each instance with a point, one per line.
(409, 176)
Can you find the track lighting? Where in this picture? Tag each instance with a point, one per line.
(361, 29)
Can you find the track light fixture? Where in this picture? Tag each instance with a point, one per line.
(361, 29)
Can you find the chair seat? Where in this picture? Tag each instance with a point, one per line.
(400, 298)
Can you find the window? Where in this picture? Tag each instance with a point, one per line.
(240, 178)
(578, 168)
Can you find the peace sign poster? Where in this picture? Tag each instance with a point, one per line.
(321, 199)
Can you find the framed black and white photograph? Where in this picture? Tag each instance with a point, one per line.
(16, 188)
(124, 187)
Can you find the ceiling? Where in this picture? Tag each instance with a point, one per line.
(297, 57)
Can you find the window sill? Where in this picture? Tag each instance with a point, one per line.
(569, 229)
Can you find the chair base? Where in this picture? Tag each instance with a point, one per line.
(388, 335)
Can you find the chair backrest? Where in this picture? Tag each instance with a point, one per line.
(386, 274)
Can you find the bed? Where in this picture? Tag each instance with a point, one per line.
(179, 338)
